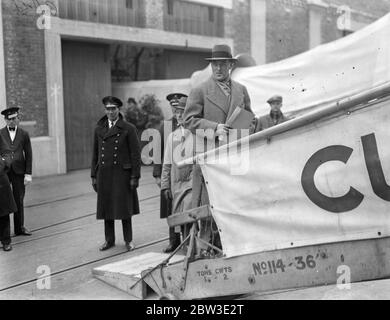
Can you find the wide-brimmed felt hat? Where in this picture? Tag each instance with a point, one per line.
(10, 113)
(114, 101)
(221, 52)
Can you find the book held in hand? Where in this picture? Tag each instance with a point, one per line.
(240, 119)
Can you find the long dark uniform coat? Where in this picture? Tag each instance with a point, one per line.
(7, 202)
(116, 159)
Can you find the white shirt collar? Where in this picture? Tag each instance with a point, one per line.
(112, 122)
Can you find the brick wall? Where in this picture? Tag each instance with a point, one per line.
(287, 25)
(329, 31)
(363, 12)
(237, 26)
(375, 7)
(154, 13)
(287, 29)
(25, 71)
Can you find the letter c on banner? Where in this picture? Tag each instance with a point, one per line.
(345, 203)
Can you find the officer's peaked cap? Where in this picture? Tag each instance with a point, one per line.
(110, 100)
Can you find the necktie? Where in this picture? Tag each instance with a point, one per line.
(225, 86)
(11, 129)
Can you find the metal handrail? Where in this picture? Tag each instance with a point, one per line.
(379, 92)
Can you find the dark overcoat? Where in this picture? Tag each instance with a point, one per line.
(7, 202)
(268, 121)
(116, 159)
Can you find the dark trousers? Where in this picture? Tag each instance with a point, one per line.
(18, 190)
(109, 230)
(5, 230)
(174, 237)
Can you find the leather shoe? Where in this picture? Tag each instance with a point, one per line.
(24, 232)
(130, 246)
(171, 247)
(7, 247)
(106, 246)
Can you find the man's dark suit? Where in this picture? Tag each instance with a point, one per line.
(21, 156)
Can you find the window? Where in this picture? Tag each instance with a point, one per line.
(129, 4)
(170, 7)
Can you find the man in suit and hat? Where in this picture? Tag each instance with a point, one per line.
(176, 184)
(17, 144)
(275, 116)
(115, 171)
(208, 107)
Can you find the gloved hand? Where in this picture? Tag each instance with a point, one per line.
(168, 194)
(133, 183)
(94, 184)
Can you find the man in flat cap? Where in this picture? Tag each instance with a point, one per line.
(176, 184)
(209, 105)
(275, 116)
(17, 144)
(115, 171)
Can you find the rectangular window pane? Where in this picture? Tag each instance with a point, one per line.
(170, 7)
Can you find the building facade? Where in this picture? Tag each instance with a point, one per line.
(58, 58)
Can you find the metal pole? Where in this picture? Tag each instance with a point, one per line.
(344, 104)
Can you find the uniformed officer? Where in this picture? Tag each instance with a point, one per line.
(115, 171)
(17, 144)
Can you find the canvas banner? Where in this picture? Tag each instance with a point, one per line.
(321, 183)
(326, 73)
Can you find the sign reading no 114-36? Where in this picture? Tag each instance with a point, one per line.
(276, 266)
